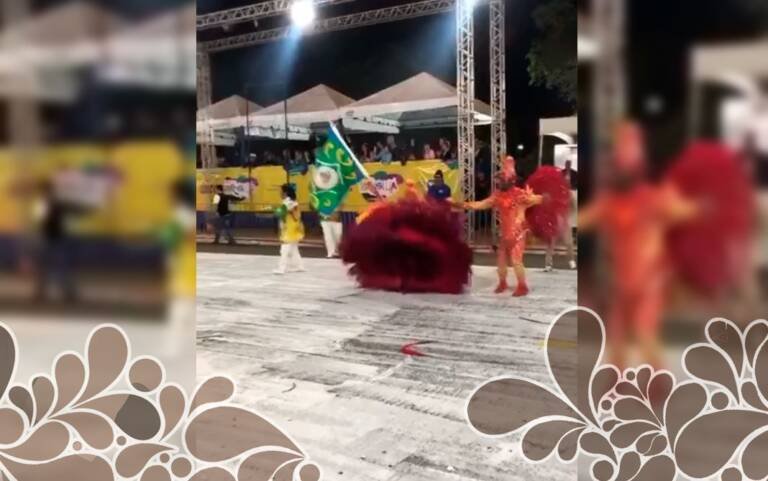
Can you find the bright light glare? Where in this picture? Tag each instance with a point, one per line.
(302, 13)
(470, 3)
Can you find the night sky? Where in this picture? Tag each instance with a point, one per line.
(362, 61)
(660, 37)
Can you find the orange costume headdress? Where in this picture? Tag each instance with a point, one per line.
(508, 172)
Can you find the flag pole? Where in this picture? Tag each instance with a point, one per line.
(351, 153)
(356, 161)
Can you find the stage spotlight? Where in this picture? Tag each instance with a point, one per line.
(302, 13)
(470, 4)
(520, 147)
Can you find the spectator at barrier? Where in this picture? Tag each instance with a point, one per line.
(383, 154)
(396, 152)
(428, 154)
(438, 189)
(299, 163)
(365, 153)
(483, 191)
(446, 153)
(412, 152)
(482, 185)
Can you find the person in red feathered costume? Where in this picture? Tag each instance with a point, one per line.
(633, 217)
(511, 202)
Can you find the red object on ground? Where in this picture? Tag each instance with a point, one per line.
(548, 219)
(710, 251)
(411, 349)
(411, 245)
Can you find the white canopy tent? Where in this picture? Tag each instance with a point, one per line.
(40, 56)
(564, 129)
(745, 60)
(219, 117)
(70, 35)
(422, 101)
(228, 114)
(742, 68)
(159, 52)
(316, 107)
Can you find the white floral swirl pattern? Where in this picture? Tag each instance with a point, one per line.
(78, 423)
(640, 424)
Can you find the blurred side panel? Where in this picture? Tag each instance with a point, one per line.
(97, 106)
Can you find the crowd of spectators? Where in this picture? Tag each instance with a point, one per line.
(389, 150)
(385, 150)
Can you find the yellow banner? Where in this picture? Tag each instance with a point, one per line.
(260, 186)
(142, 199)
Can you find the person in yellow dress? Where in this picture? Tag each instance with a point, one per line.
(291, 232)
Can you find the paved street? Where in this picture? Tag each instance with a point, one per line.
(322, 359)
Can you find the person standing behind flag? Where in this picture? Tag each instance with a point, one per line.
(223, 221)
(291, 233)
(332, 230)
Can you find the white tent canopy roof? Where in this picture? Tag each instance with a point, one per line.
(229, 107)
(420, 101)
(559, 125)
(69, 35)
(159, 51)
(318, 104)
(312, 108)
(747, 59)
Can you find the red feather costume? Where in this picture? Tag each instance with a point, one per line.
(409, 245)
(548, 220)
(710, 251)
(693, 224)
(515, 206)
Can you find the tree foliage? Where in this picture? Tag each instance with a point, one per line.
(552, 58)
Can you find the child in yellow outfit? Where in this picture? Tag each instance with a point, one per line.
(291, 233)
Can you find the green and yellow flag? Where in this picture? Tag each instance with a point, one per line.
(336, 170)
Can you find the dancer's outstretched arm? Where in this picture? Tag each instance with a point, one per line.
(484, 204)
(678, 208)
(590, 216)
(534, 199)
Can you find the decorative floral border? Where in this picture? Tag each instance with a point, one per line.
(639, 424)
(77, 423)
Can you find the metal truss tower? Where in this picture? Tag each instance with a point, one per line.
(465, 87)
(207, 147)
(498, 94)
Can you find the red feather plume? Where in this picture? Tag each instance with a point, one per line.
(549, 219)
(710, 251)
(410, 245)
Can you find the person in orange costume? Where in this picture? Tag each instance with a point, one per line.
(511, 203)
(632, 217)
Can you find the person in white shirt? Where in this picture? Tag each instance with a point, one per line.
(332, 231)
(566, 237)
